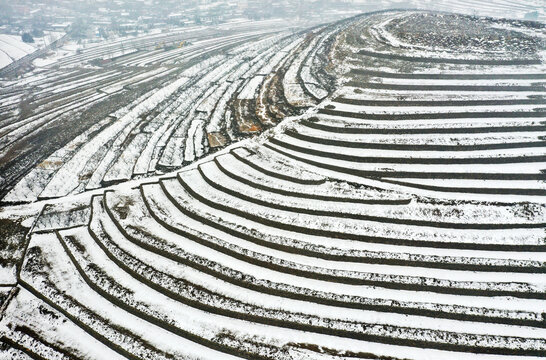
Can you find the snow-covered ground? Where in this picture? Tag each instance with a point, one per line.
(13, 48)
(384, 222)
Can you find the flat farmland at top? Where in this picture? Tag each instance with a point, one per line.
(374, 188)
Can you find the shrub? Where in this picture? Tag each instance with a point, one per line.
(27, 38)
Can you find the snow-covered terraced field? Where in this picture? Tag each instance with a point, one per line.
(388, 207)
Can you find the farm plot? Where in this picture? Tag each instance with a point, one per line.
(379, 223)
(163, 124)
(13, 48)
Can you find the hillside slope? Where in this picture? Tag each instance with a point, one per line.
(401, 216)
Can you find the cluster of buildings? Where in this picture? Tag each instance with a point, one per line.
(86, 18)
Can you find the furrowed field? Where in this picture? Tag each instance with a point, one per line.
(374, 188)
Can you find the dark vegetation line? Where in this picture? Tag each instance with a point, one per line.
(451, 88)
(258, 186)
(249, 282)
(28, 352)
(275, 174)
(477, 190)
(36, 337)
(268, 320)
(150, 318)
(412, 147)
(333, 214)
(459, 76)
(439, 60)
(434, 116)
(408, 160)
(306, 251)
(378, 174)
(312, 123)
(384, 281)
(88, 329)
(355, 237)
(426, 103)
